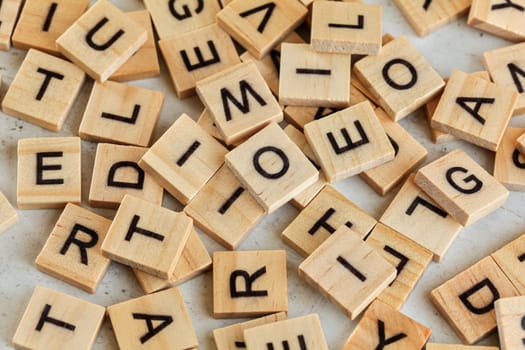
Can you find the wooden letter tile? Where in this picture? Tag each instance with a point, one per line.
(120, 113)
(156, 321)
(44, 90)
(399, 77)
(8, 15)
(349, 142)
(184, 159)
(72, 251)
(54, 320)
(503, 18)
(435, 346)
(509, 164)
(467, 300)
(43, 21)
(206, 122)
(8, 214)
(249, 283)
(510, 316)
(147, 237)
(461, 187)
(102, 40)
(510, 259)
(49, 172)
(116, 173)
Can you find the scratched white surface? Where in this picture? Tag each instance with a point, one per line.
(455, 46)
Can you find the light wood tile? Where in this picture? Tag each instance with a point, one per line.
(8, 214)
(510, 259)
(510, 313)
(509, 164)
(501, 18)
(9, 10)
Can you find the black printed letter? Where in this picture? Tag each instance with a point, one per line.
(138, 185)
(396, 85)
(82, 245)
(165, 320)
(474, 112)
(382, 337)
(464, 297)
(280, 154)
(44, 318)
(268, 8)
(134, 228)
(201, 62)
(471, 178)
(229, 202)
(185, 10)
(243, 106)
(507, 4)
(101, 47)
(360, 24)
(517, 159)
(40, 168)
(323, 223)
(49, 17)
(286, 345)
(120, 118)
(515, 72)
(184, 158)
(248, 280)
(427, 205)
(351, 268)
(350, 145)
(49, 75)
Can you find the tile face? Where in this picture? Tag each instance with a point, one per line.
(121, 113)
(348, 271)
(224, 210)
(399, 77)
(156, 321)
(349, 142)
(383, 326)
(509, 164)
(184, 159)
(310, 78)
(272, 167)
(72, 251)
(43, 90)
(510, 259)
(54, 320)
(193, 56)
(239, 102)
(101, 40)
(249, 283)
(417, 216)
(8, 214)
(351, 28)
(467, 300)
(297, 333)
(147, 237)
(437, 135)
(501, 18)
(259, 25)
(43, 21)
(49, 172)
(328, 211)
(510, 313)
(116, 173)
(8, 15)
(435, 346)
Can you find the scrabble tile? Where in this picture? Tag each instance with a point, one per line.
(207, 123)
(272, 167)
(100, 55)
(232, 337)
(155, 321)
(510, 260)
(328, 211)
(310, 78)
(348, 271)
(474, 110)
(520, 143)
(349, 142)
(260, 25)
(510, 313)
(120, 113)
(409, 154)
(351, 28)
(145, 62)
(503, 18)
(409, 258)
(467, 300)
(239, 102)
(54, 320)
(72, 251)
(147, 237)
(249, 283)
(49, 172)
(43, 90)
(509, 164)
(116, 173)
(8, 15)
(184, 159)
(414, 214)
(8, 214)
(385, 75)
(428, 16)
(193, 261)
(43, 21)
(173, 19)
(462, 187)
(435, 346)
(224, 210)
(301, 332)
(382, 326)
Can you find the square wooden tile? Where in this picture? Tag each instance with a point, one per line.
(9, 10)
(349, 142)
(224, 210)
(348, 271)
(53, 320)
(249, 283)
(385, 75)
(116, 173)
(41, 22)
(510, 313)
(435, 346)
(328, 211)
(43, 90)
(8, 214)
(120, 113)
(100, 55)
(260, 25)
(501, 18)
(49, 172)
(467, 299)
(510, 259)
(147, 237)
(193, 56)
(184, 159)
(509, 164)
(155, 321)
(72, 251)
(462, 187)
